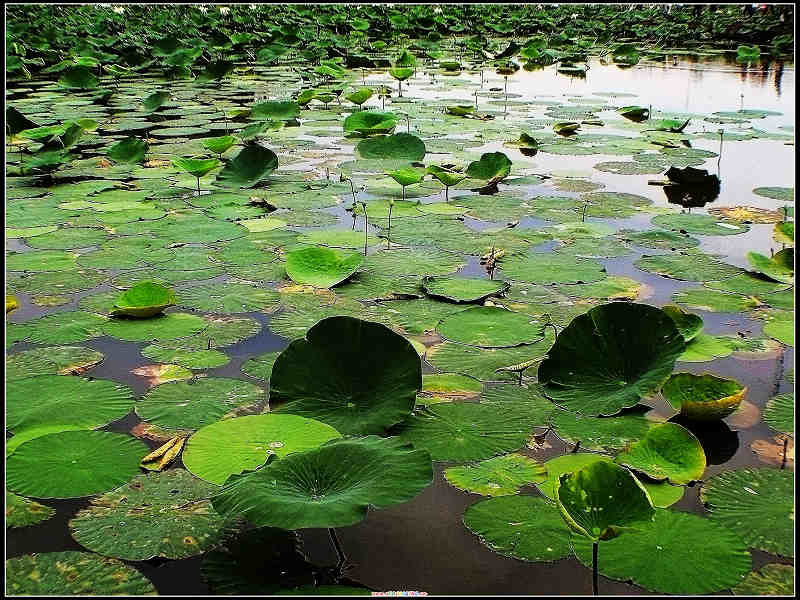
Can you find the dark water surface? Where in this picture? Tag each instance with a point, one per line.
(423, 545)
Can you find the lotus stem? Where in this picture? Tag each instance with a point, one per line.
(785, 446)
(583, 216)
(389, 231)
(366, 226)
(404, 191)
(574, 450)
(341, 558)
(447, 193)
(594, 569)
(198, 186)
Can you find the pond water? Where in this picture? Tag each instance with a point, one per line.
(423, 544)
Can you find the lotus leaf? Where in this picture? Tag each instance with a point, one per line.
(602, 500)
(779, 413)
(45, 404)
(499, 476)
(331, 486)
(602, 433)
(682, 543)
(522, 527)
(778, 268)
(610, 357)
(360, 96)
(703, 397)
(275, 110)
(667, 451)
(154, 101)
(22, 513)
(248, 167)
(398, 146)
(242, 444)
(73, 464)
(321, 267)
(143, 300)
(490, 327)
(491, 168)
(73, 573)
(219, 145)
(164, 514)
(370, 122)
(770, 580)
(756, 504)
(463, 289)
(157, 328)
(129, 150)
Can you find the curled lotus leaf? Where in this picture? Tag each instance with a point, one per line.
(601, 500)
(321, 267)
(370, 122)
(703, 397)
(248, 167)
(610, 357)
(330, 486)
(357, 376)
(143, 300)
(491, 167)
(667, 451)
(778, 268)
(689, 324)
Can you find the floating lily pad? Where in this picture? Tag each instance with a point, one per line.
(667, 451)
(482, 363)
(628, 168)
(143, 300)
(63, 360)
(699, 224)
(780, 326)
(499, 476)
(196, 403)
(784, 194)
(357, 376)
(399, 146)
(163, 514)
(44, 404)
(417, 261)
(687, 267)
(69, 237)
(229, 297)
(552, 268)
(465, 432)
(78, 573)
(714, 301)
(610, 357)
(522, 527)
(447, 387)
(656, 238)
(704, 347)
(164, 327)
(779, 413)
(321, 267)
(234, 446)
(703, 397)
(490, 327)
(21, 512)
(749, 284)
(756, 504)
(330, 486)
(41, 260)
(463, 289)
(73, 464)
(682, 543)
(602, 433)
(770, 580)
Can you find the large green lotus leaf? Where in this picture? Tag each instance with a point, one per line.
(61, 328)
(186, 357)
(416, 261)
(233, 446)
(199, 167)
(164, 514)
(229, 297)
(610, 357)
(680, 553)
(69, 237)
(73, 464)
(667, 451)
(21, 512)
(45, 404)
(370, 286)
(714, 301)
(129, 150)
(780, 326)
(196, 403)
(466, 431)
(143, 300)
(776, 193)
(321, 267)
(490, 327)
(770, 580)
(661, 494)
(160, 327)
(41, 260)
(398, 146)
(610, 288)
(463, 289)
(756, 504)
(780, 267)
(256, 562)
(602, 433)
(58, 360)
(522, 527)
(687, 267)
(689, 324)
(779, 413)
(552, 268)
(73, 573)
(248, 167)
(491, 167)
(749, 284)
(482, 363)
(602, 500)
(703, 397)
(655, 238)
(357, 376)
(698, 224)
(498, 476)
(277, 110)
(370, 121)
(331, 486)
(415, 316)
